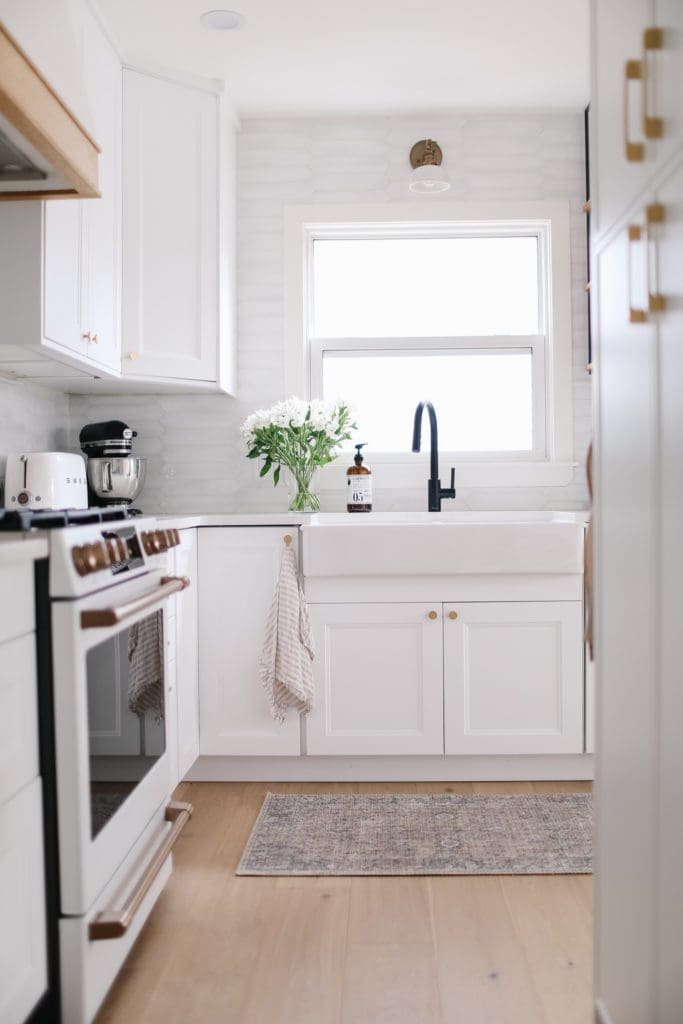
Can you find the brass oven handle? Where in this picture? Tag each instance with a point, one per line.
(635, 316)
(653, 39)
(633, 72)
(96, 617)
(112, 924)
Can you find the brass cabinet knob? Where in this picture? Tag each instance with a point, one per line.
(86, 336)
(452, 615)
(132, 355)
(432, 615)
(94, 337)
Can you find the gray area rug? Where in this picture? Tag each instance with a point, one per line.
(421, 834)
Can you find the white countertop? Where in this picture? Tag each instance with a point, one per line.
(17, 546)
(182, 521)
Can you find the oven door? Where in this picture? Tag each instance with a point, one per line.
(110, 686)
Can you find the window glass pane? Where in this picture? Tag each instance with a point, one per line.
(483, 400)
(412, 287)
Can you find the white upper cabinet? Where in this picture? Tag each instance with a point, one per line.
(171, 213)
(621, 155)
(60, 285)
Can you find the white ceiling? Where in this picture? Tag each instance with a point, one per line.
(308, 57)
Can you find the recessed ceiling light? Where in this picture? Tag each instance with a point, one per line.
(222, 21)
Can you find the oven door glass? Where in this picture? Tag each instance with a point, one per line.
(126, 713)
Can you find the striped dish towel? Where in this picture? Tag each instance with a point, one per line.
(146, 673)
(285, 665)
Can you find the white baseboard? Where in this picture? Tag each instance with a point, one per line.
(572, 767)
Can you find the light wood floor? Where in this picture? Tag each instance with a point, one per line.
(224, 950)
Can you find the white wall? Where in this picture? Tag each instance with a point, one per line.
(192, 442)
(32, 418)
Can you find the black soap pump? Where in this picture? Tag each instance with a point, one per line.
(358, 484)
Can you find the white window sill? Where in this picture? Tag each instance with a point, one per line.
(395, 475)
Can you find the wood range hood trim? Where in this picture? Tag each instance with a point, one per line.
(32, 107)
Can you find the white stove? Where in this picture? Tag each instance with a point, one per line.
(106, 602)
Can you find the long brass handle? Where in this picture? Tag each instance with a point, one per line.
(97, 617)
(112, 924)
(653, 39)
(635, 151)
(654, 215)
(635, 315)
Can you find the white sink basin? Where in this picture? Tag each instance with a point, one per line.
(442, 543)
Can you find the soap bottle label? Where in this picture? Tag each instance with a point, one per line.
(359, 489)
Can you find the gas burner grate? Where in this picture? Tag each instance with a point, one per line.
(48, 519)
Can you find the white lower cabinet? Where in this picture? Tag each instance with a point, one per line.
(187, 683)
(513, 677)
(238, 568)
(23, 943)
(379, 680)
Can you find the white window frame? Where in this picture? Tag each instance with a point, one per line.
(550, 463)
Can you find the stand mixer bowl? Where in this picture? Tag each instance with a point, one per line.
(117, 480)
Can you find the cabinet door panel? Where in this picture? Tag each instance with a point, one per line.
(238, 568)
(670, 897)
(513, 678)
(170, 230)
(63, 275)
(102, 73)
(186, 657)
(379, 681)
(627, 645)
(618, 27)
(23, 943)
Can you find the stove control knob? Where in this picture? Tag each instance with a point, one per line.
(162, 540)
(96, 556)
(176, 538)
(78, 559)
(147, 539)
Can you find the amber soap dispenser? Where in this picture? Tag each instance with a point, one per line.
(358, 484)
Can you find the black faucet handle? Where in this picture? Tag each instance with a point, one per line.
(450, 491)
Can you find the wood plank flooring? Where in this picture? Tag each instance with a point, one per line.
(473, 950)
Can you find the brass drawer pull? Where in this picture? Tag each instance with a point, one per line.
(635, 151)
(635, 315)
(653, 39)
(452, 615)
(112, 924)
(654, 215)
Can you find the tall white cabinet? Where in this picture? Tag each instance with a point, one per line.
(638, 312)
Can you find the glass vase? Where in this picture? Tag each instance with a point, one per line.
(303, 500)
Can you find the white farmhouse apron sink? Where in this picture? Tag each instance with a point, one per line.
(442, 544)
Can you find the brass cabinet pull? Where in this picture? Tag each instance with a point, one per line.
(287, 539)
(635, 151)
(653, 39)
(635, 315)
(654, 215)
(452, 615)
(86, 335)
(112, 924)
(98, 617)
(95, 338)
(432, 615)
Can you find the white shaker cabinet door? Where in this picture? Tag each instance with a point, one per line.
(238, 568)
(170, 229)
(23, 941)
(378, 679)
(618, 27)
(513, 678)
(187, 682)
(102, 216)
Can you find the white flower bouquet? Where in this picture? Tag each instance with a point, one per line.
(301, 436)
